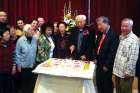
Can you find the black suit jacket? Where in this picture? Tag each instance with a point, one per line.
(108, 49)
(88, 42)
(61, 46)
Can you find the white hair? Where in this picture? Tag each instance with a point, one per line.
(80, 17)
(129, 20)
(26, 27)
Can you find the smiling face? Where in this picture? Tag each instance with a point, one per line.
(49, 31)
(34, 24)
(62, 28)
(41, 21)
(80, 23)
(6, 36)
(126, 28)
(102, 26)
(3, 17)
(20, 24)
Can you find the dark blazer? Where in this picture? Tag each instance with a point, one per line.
(87, 44)
(61, 46)
(138, 66)
(108, 49)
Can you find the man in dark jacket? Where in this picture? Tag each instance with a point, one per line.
(107, 43)
(82, 39)
(3, 21)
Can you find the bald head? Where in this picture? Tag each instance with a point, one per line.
(3, 16)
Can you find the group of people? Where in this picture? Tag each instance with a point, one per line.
(25, 46)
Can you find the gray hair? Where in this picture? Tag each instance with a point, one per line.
(130, 21)
(26, 27)
(103, 19)
(81, 17)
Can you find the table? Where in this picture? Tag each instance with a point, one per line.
(65, 76)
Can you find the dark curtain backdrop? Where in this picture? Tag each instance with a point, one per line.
(52, 10)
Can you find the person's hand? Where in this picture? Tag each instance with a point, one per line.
(72, 48)
(105, 68)
(126, 75)
(83, 57)
(13, 70)
(95, 61)
(19, 69)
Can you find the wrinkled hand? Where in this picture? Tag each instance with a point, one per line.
(105, 68)
(126, 75)
(72, 48)
(19, 69)
(13, 70)
(83, 57)
(95, 61)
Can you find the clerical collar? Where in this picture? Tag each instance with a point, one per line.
(81, 30)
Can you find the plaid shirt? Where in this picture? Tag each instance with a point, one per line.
(127, 55)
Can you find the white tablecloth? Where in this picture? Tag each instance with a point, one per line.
(51, 81)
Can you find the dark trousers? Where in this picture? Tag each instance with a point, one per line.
(104, 81)
(123, 85)
(6, 83)
(139, 84)
(26, 81)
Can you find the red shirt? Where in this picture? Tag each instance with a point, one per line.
(6, 57)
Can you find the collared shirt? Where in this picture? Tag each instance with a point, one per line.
(52, 46)
(127, 55)
(26, 52)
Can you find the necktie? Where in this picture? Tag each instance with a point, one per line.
(80, 38)
(101, 42)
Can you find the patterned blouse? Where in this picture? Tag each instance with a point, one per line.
(43, 49)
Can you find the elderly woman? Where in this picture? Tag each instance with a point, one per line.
(45, 43)
(61, 42)
(7, 66)
(25, 59)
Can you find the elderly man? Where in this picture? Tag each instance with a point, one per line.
(138, 69)
(82, 39)
(107, 43)
(25, 59)
(126, 57)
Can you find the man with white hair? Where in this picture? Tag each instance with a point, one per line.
(82, 39)
(126, 58)
(106, 47)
